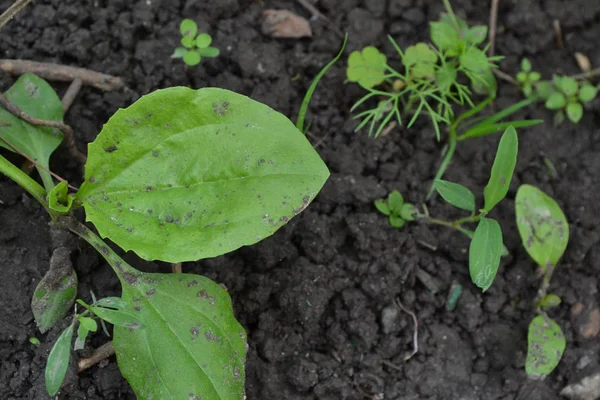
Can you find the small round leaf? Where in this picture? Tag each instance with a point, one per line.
(188, 28)
(203, 40)
(574, 112)
(525, 65)
(587, 93)
(192, 58)
(396, 221)
(395, 201)
(187, 42)
(382, 206)
(556, 101)
(408, 212)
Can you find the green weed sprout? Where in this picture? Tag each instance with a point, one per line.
(396, 209)
(563, 94)
(486, 246)
(168, 179)
(195, 46)
(544, 231)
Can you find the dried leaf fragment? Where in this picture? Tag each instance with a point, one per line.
(284, 24)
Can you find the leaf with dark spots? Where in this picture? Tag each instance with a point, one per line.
(168, 348)
(110, 149)
(199, 171)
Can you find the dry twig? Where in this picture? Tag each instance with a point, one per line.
(70, 94)
(101, 353)
(493, 25)
(176, 268)
(12, 11)
(416, 330)
(62, 73)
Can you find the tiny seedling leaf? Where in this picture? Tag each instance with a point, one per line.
(59, 199)
(192, 57)
(58, 361)
(82, 334)
(396, 221)
(502, 169)
(55, 294)
(420, 60)
(395, 201)
(210, 52)
(550, 301)
(455, 194)
(587, 93)
(544, 89)
(485, 252)
(188, 28)
(542, 225)
(202, 172)
(124, 318)
(37, 98)
(382, 206)
(567, 85)
(203, 40)
(477, 34)
(407, 212)
(179, 52)
(187, 42)
(574, 112)
(545, 346)
(443, 35)
(367, 67)
(525, 65)
(88, 323)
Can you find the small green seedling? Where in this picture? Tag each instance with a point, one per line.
(527, 78)
(544, 231)
(396, 209)
(180, 175)
(563, 94)
(433, 81)
(486, 246)
(195, 46)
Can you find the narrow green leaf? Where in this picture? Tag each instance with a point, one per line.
(574, 112)
(455, 194)
(192, 347)
(482, 130)
(210, 52)
(502, 169)
(545, 346)
(124, 318)
(202, 172)
(542, 225)
(55, 294)
(58, 361)
(115, 303)
(38, 99)
(485, 252)
(382, 206)
(82, 334)
(188, 28)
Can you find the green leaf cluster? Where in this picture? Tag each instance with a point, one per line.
(527, 78)
(397, 210)
(431, 81)
(486, 246)
(195, 46)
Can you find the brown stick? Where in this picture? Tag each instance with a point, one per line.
(493, 25)
(176, 268)
(70, 95)
(12, 11)
(66, 129)
(559, 36)
(62, 73)
(101, 353)
(503, 75)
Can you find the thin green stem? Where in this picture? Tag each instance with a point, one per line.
(26, 182)
(543, 290)
(452, 17)
(456, 224)
(124, 271)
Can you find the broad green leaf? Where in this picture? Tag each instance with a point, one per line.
(567, 85)
(179, 52)
(195, 174)
(192, 57)
(58, 361)
(367, 67)
(382, 206)
(477, 34)
(407, 212)
(545, 346)
(474, 60)
(484, 82)
(455, 194)
(502, 169)
(55, 294)
(188, 28)
(36, 97)
(395, 201)
(485, 252)
(574, 112)
(550, 301)
(542, 225)
(396, 221)
(420, 60)
(59, 199)
(203, 40)
(587, 93)
(444, 36)
(525, 65)
(210, 52)
(191, 345)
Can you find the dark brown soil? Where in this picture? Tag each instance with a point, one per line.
(317, 297)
